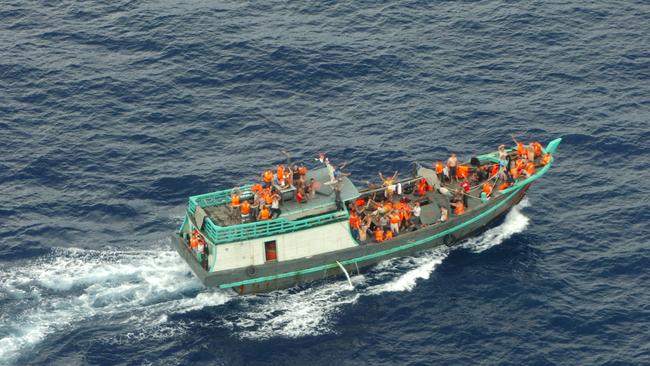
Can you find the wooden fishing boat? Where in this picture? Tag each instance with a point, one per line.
(313, 240)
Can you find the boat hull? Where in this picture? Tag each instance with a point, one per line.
(279, 275)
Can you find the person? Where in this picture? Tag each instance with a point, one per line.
(267, 178)
(444, 214)
(265, 214)
(300, 195)
(521, 150)
(440, 168)
(363, 231)
(245, 210)
(257, 205)
(417, 210)
(282, 182)
(379, 234)
(313, 187)
(275, 205)
(235, 197)
(194, 241)
(459, 208)
(383, 222)
(355, 223)
(529, 169)
(466, 187)
(546, 159)
(421, 187)
(389, 183)
(487, 189)
(302, 170)
(394, 222)
(537, 149)
(502, 155)
(452, 164)
(388, 235)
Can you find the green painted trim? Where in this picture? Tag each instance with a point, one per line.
(373, 255)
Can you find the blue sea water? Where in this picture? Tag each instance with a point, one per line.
(113, 112)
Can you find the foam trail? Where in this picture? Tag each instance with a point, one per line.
(73, 285)
(515, 222)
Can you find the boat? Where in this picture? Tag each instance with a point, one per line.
(313, 240)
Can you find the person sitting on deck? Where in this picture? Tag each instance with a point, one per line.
(389, 235)
(459, 207)
(235, 198)
(444, 214)
(452, 165)
(275, 205)
(282, 181)
(267, 178)
(389, 183)
(265, 214)
(300, 195)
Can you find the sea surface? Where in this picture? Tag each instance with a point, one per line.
(112, 113)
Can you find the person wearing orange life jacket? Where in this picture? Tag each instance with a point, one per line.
(440, 168)
(282, 182)
(537, 149)
(235, 197)
(487, 189)
(389, 235)
(194, 242)
(494, 170)
(463, 172)
(466, 188)
(459, 208)
(265, 214)
(421, 187)
(245, 210)
(355, 222)
(267, 178)
(394, 222)
(379, 234)
(302, 170)
(546, 159)
(521, 149)
(530, 169)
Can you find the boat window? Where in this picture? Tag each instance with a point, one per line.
(270, 251)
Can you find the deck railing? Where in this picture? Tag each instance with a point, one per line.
(260, 229)
(234, 233)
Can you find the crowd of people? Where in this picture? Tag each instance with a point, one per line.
(383, 219)
(268, 193)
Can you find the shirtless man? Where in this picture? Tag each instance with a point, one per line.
(452, 164)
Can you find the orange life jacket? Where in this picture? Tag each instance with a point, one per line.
(302, 170)
(546, 159)
(268, 198)
(360, 202)
(503, 186)
(379, 235)
(487, 188)
(394, 219)
(268, 176)
(389, 235)
(495, 169)
(354, 221)
(256, 188)
(280, 172)
(234, 200)
(194, 242)
(537, 149)
(265, 214)
(463, 171)
(388, 206)
(439, 167)
(521, 150)
(422, 187)
(530, 168)
(514, 172)
(245, 208)
(460, 209)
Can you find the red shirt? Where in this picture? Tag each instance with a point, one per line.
(465, 186)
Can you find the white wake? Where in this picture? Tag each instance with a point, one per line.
(141, 289)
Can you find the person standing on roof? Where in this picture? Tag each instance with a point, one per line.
(275, 205)
(452, 164)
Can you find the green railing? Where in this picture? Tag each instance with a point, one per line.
(216, 198)
(228, 234)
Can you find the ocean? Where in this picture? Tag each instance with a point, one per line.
(112, 113)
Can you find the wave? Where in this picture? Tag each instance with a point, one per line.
(142, 289)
